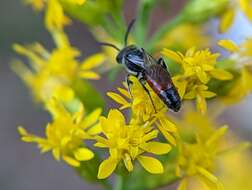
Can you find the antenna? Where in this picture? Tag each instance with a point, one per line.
(128, 31)
(110, 45)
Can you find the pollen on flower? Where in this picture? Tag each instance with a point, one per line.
(65, 135)
(128, 143)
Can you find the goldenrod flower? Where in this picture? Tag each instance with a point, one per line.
(227, 18)
(200, 64)
(198, 67)
(143, 110)
(199, 148)
(242, 55)
(128, 143)
(54, 16)
(236, 177)
(65, 135)
(50, 72)
(185, 36)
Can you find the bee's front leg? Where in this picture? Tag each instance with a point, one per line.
(143, 82)
(129, 83)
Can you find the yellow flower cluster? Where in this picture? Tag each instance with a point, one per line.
(54, 14)
(185, 36)
(198, 67)
(127, 143)
(199, 148)
(148, 131)
(242, 56)
(143, 110)
(228, 16)
(65, 135)
(52, 73)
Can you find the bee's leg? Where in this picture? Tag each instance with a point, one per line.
(162, 63)
(129, 83)
(142, 82)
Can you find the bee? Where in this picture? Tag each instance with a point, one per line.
(142, 65)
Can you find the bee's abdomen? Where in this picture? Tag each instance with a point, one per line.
(161, 83)
(158, 78)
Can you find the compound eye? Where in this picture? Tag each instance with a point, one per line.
(119, 58)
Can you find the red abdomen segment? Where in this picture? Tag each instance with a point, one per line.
(160, 81)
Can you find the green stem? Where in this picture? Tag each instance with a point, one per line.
(143, 14)
(179, 19)
(111, 29)
(118, 183)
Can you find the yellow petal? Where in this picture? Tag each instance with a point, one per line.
(55, 18)
(202, 76)
(100, 145)
(22, 131)
(201, 104)
(83, 154)
(63, 93)
(157, 148)
(226, 20)
(181, 86)
(208, 94)
(151, 165)
(229, 45)
(172, 55)
(117, 98)
(167, 124)
(106, 168)
(92, 61)
(115, 116)
(77, 117)
(71, 161)
(190, 95)
(127, 162)
(105, 125)
(134, 151)
(183, 184)
(96, 129)
(92, 118)
(217, 135)
(56, 153)
(207, 175)
(171, 139)
(124, 92)
(246, 7)
(221, 74)
(89, 75)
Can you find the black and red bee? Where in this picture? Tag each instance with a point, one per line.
(142, 65)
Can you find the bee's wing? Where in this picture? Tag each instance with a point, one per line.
(148, 59)
(136, 60)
